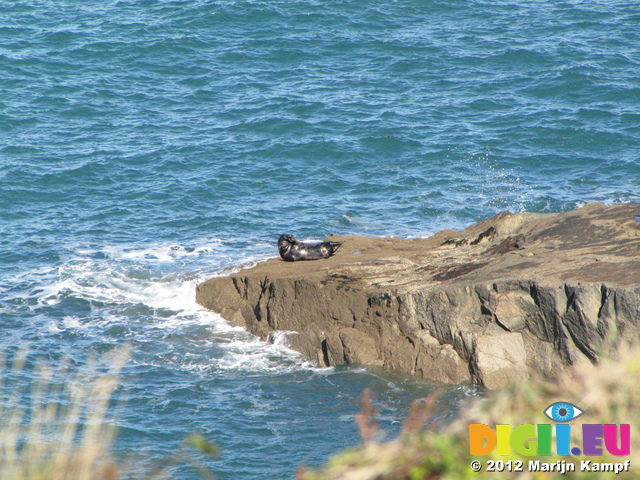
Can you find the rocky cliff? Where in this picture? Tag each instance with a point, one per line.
(514, 297)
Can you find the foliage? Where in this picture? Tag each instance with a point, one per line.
(60, 429)
(608, 393)
(63, 426)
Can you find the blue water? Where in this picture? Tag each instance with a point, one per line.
(148, 145)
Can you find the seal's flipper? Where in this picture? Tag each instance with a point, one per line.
(333, 246)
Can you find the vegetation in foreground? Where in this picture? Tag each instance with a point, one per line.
(61, 426)
(64, 432)
(608, 393)
(56, 427)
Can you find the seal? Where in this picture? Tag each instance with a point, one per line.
(291, 250)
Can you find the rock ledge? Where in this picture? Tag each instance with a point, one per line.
(514, 297)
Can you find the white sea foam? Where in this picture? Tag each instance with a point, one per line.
(246, 353)
(164, 253)
(145, 294)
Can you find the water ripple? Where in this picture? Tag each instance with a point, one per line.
(132, 127)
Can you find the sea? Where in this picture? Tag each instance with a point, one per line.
(148, 145)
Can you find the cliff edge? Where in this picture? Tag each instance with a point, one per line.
(514, 297)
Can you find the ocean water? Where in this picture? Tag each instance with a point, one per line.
(148, 145)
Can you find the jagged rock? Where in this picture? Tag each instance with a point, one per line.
(500, 359)
(514, 297)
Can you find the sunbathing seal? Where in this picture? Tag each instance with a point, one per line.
(291, 250)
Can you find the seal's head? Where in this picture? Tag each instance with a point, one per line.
(285, 242)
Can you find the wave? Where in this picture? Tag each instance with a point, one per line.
(146, 295)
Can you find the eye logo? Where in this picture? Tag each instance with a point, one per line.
(563, 412)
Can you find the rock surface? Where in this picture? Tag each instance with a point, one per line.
(514, 297)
